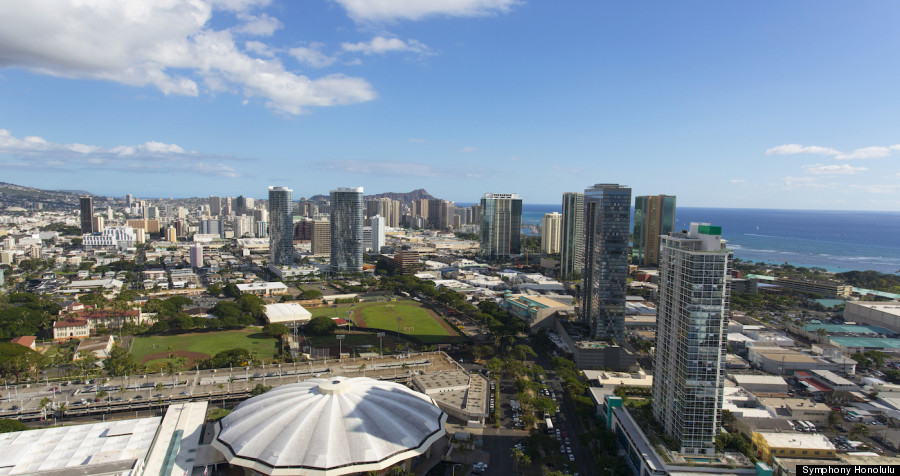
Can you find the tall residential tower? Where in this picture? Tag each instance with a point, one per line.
(501, 225)
(607, 216)
(550, 233)
(347, 217)
(654, 215)
(692, 321)
(572, 235)
(281, 226)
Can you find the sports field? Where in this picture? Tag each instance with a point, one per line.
(415, 319)
(203, 345)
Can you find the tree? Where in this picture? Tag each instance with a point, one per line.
(9, 426)
(835, 418)
(858, 430)
(276, 330)
(522, 352)
(19, 361)
(231, 290)
(321, 325)
(120, 362)
(85, 361)
(214, 289)
(259, 389)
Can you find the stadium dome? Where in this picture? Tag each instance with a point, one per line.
(332, 426)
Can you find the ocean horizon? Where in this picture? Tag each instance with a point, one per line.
(835, 240)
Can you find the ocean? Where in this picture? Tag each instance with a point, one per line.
(834, 240)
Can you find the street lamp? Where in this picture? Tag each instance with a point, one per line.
(381, 343)
(340, 339)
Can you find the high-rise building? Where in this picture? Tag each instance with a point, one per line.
(551, 226)
(215, 206)
(378, 226)
(607, 216)
(208, 227)
(501, 225)
(320, 241)
(692, 322)
(196, 255)
(347, 218)
(171, 234)
(654, 215)
(243, 226)
(440, 214)
(262, 229)
(87, 214)
(129, 200)
(572, 235)
(281, 226)
(97, 224)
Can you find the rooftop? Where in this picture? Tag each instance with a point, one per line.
(806, 441)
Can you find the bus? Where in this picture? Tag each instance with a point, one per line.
(549, 424)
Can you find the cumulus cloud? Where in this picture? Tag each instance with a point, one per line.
(390, 169)
(842, 169)
(312, 55)
(169, 45)
(36, 153)
(388, 10)
(381, 45)
(793, 149)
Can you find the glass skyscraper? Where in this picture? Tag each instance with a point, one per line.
(501, 225)
(607, 219)
(281, 226)
(572, 234)
(347, 218)
(654, 215)
(87, 214)
(692, 321)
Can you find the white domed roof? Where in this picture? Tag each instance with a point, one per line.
(330, 426)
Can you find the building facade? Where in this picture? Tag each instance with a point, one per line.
(551, 227)
(654, 215)
(692, 324)
(572, 235)
(607, 216)
(347, 220)
(501, 225)
(87, 214)
(378, 227)
(281, 226)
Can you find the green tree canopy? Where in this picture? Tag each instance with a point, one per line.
(321, 325)
(8, 426)
(120, 362)
(276, 329)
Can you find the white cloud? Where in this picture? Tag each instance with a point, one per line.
(260, 48)
(387, 10)
(312, 55)
(152, 156)
(842, 169)
(737, 181)
(793, 149)
(468, 150)
(867, 153)
(381, 45)
(791, 183)
(878, 189)
(389, 169)
(262, 25)
(169, 45)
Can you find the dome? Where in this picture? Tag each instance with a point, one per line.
(330, 426)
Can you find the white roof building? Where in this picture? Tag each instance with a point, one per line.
(286, 313)
(113, 447)
(329, 427)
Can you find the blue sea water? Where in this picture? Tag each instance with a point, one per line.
(834, 240)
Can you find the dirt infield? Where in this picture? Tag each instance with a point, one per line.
(190, 356)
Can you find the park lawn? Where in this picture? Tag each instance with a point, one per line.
(260, 345)
(414, 320)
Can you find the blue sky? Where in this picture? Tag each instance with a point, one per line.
(724, 104)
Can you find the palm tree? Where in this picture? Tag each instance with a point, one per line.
(519, 457)
(362, 368)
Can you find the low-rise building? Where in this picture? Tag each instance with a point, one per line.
(25, 341)
(791, 445)
(802, 409)
(536, 311)
(884, 314)
(263, 289)
(70, 328)
(761, 384)
(289, 313)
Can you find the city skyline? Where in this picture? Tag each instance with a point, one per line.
(226, 98)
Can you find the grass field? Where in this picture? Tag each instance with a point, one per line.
(209, 343)
(413, 319)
